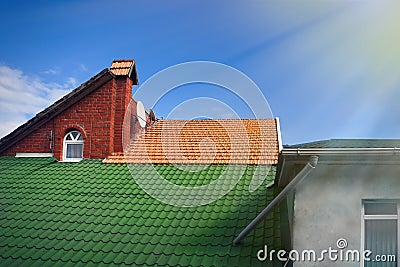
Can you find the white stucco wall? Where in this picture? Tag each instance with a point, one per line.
(328, 205)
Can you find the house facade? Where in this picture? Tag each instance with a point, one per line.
(229, 194)
(348, 204)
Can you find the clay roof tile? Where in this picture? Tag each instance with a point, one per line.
(248, 141)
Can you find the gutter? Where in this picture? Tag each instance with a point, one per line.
(312, 163)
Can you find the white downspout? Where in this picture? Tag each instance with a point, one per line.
(312, 163)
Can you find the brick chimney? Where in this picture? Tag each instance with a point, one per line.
(126, 77)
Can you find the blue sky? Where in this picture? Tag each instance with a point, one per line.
(329, 69)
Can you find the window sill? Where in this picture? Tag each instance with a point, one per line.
(71, 160)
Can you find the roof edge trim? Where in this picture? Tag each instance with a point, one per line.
(279, 133)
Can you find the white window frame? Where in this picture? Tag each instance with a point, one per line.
(365, 217)
(75, 140)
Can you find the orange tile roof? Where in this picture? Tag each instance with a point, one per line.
(247, 141)
(122, 67)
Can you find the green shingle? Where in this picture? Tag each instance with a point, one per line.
(89, 213)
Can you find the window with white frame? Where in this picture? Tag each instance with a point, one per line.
(73, 146)
(380, 232)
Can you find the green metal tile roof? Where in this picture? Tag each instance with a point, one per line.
(89, 213)
(350, 143)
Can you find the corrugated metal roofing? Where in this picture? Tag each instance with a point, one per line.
(89, 213)
(247, 141)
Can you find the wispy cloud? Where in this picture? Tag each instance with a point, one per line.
(52, 71)
(83, 68)
(22, 96)
(72, 81)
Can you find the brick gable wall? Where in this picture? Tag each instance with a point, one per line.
(98, 116)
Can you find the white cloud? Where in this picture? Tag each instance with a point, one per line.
(22, 96)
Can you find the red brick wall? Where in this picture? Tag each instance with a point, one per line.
(98, 116)
(123, 97)
(38, 141)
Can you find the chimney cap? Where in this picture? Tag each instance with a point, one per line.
(124, 67)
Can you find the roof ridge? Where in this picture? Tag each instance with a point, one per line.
(124, 60)
(364, 139)
(349, 143)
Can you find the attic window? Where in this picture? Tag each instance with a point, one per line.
(73, 146)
